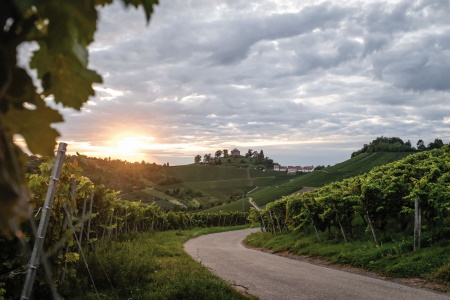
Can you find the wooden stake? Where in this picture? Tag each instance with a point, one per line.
(43, 223)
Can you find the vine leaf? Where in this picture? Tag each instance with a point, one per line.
(34, 126)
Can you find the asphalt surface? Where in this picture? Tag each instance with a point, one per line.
(274, 277)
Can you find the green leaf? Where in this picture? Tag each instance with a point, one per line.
(34, 126)
(21, 88)
(64, 76)
(146, 4)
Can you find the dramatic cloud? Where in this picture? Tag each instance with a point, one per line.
(308, 82)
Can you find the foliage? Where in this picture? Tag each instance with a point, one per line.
(385, 144)
(382, 199)
(85, 215)
(395, 144)
(62, 31)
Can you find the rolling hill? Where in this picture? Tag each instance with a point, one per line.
(349, 168)
(212, 188)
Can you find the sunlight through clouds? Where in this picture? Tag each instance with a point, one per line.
(272, 75)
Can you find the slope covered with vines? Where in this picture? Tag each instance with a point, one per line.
(390, 198)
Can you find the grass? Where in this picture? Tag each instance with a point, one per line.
(200, 172)
(393, 259)
(146, 195)
(151, 266)
(233, 206)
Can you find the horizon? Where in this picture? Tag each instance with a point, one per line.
(307, 160)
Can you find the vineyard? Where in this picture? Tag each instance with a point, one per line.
(407, 200)
(83, 218)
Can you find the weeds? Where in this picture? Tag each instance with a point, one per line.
(151, 266)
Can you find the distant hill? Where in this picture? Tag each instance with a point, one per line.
(360, 164)
(211, 187)
(204, 186)
(125, 176)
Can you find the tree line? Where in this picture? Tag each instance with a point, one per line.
(257, 158)
(395, 144)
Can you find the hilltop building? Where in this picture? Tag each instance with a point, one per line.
(235, 152)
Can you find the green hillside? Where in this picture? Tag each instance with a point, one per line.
(201, 172)
(220, 187)
(216, 185)
(360, 164)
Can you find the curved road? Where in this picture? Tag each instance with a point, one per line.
(273, 277)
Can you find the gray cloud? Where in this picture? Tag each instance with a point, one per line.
(287, 77)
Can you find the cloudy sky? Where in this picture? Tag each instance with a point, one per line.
(308, 82)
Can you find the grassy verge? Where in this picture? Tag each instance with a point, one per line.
(393, 259)
(151, 266)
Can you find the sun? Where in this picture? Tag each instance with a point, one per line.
(130, 145)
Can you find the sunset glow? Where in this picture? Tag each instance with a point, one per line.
(132, 144)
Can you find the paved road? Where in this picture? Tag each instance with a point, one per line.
(274, 277)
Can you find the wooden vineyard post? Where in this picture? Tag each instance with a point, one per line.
(371, 228)
(417, 223)
(83, 215)
(43, 223)
(90, 217)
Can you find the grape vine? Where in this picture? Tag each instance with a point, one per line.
(383, 199)
(84, 216)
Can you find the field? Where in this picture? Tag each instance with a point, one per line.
(284, 186)
(219, 188)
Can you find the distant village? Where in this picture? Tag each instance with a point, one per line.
(293, 170)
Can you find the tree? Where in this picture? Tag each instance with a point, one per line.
(225, 152)
(261, 155)
(218, 153)
(437, 144)
(249, 153)
(197, 159)
(421, 145)
(63, 30)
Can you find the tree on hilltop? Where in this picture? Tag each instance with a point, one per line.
(421, 145)
(385, 144)
(261, 155)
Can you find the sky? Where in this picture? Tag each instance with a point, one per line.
(308, 82)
